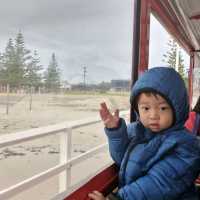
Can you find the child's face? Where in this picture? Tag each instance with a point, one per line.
(155, 113)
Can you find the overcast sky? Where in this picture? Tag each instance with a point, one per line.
(82, 33)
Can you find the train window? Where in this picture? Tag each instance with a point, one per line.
(71, 55)
(157, 42)
(58, 61)
(165, 51)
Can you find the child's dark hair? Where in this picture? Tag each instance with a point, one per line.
(197, 106)
(148, 93)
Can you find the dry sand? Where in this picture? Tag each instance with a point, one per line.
(23, 160)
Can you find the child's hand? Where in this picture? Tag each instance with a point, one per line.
(110, 120)
(95, 195)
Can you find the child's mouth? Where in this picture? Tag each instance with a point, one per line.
(154, 126)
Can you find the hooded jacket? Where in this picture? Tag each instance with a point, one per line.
(157, 166)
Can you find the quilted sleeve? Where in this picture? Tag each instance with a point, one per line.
(118, 141)
(167, 179)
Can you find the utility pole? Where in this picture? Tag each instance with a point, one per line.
(84, 77)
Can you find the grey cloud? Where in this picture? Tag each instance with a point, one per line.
(80, 32)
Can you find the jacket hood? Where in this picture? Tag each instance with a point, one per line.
(169, 84)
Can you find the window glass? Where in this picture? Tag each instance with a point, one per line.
(165, 51)
(70, 56)
(58, 61)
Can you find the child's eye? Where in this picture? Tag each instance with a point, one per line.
(163, 108)
(145, 108)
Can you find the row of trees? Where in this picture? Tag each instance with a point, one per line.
(19, 67)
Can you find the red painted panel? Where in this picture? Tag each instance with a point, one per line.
(144, 36)
(104, 182)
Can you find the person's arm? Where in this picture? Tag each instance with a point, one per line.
(168, 178)
(116, 131)
(118, 141)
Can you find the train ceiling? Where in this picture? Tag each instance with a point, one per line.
(187, 13)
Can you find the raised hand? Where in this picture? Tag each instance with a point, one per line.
(109, 120)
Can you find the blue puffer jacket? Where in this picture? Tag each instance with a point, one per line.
(161, 166)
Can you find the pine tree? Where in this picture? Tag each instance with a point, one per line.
(32, 71)
(9, 71)
(22, 57)
(52, 75)
(170, 57)
(181, 66)
(1, 68)
(18, 66)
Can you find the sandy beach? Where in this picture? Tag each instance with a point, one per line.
(26, 159)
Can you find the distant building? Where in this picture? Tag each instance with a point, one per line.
(79, 87)
(120, 85)
(65, 86)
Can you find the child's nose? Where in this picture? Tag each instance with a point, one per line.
(154, 114)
